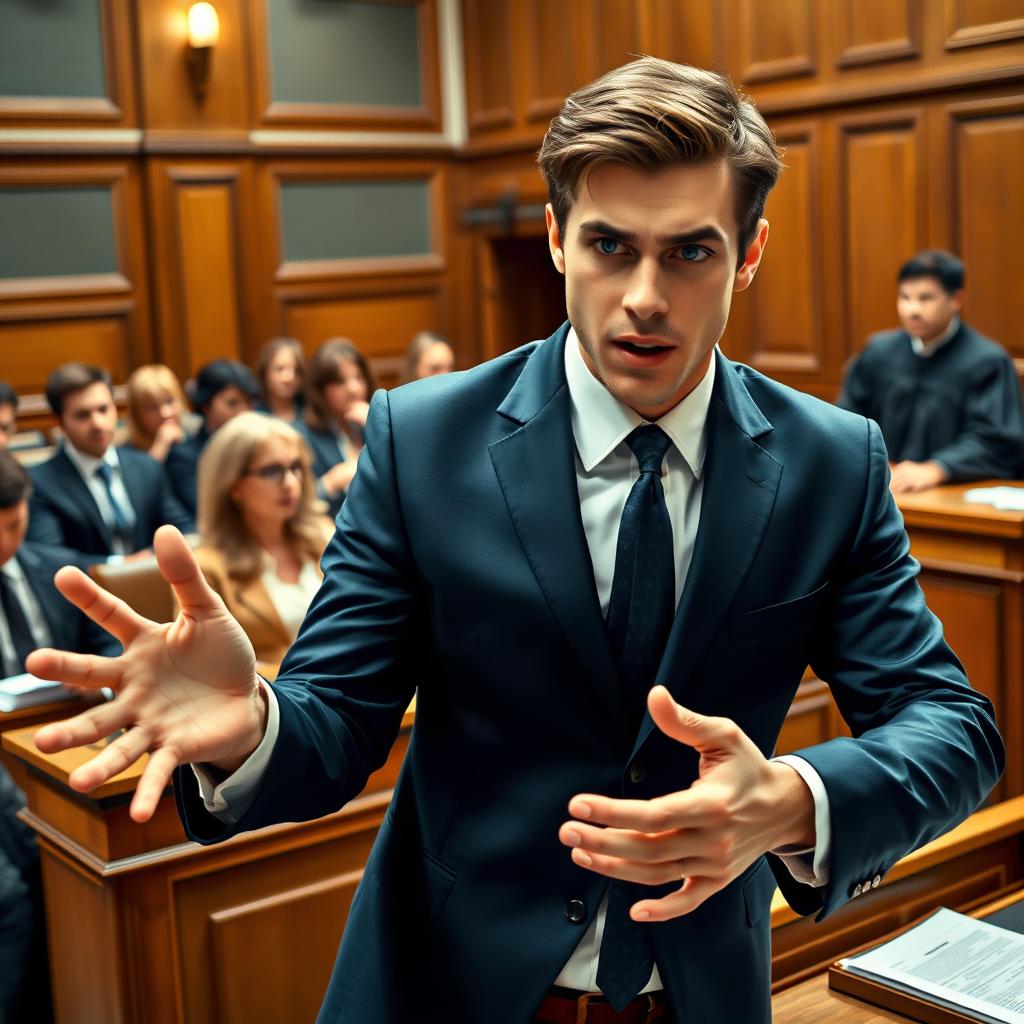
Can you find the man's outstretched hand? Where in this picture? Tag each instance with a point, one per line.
(185, 691)
(741, 806)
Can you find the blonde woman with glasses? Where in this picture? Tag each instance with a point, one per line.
(261, 539)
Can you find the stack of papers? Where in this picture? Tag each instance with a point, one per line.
(956, 962)
(1009, 499)
(26, 691)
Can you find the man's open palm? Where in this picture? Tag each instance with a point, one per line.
(186, 691)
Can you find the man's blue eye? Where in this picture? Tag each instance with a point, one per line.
(694, 253)
(607, 246)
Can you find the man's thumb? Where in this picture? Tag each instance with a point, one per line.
(701, 732)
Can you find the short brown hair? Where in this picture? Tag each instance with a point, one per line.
(324, 369)
(650, 114)
(15, 483)
(68, 379)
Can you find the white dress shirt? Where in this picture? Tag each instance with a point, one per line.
(37, 625)
(87, 466)
(926, 350)
(605, 472)
(291, 600)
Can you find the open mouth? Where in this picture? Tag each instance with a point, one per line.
(642, 349)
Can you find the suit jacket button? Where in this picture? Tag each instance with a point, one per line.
(876, 881)
(576, 911)
(857, 889)
(637, 773)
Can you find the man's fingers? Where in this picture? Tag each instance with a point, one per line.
(155, 779)
(122, 753)
(179, 567)
(88, 670)
(695, 890)
(85, 728)
(691, 808)
(110, 612)
(629, 844)
(698, 731)
(662, 873)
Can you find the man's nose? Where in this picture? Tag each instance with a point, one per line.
(646, 297)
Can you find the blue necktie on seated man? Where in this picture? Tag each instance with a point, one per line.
(17, 624)
(640, 613)
(122, 522)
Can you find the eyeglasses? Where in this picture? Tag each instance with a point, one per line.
(274, 472)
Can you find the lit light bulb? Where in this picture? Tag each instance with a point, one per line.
(203, 26)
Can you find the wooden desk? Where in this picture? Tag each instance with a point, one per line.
(972, 574)
(813, 1001)
(36, 716)
(146, 927)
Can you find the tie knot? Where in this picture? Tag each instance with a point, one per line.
(649, 444)
(103, 472)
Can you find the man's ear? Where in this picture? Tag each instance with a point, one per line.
(958, 299)
(554, 239)
(752, 257)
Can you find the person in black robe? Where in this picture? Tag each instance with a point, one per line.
(946, 397)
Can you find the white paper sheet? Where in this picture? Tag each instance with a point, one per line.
(26, 690)
(1009, 499)
(956, 960)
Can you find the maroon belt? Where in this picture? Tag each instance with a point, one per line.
(563, 1006)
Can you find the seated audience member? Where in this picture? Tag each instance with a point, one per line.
(221, 390)
(103, 503)
(337, 397)
(261, 540)
(428, 354)
(282, 372)
(8, 413)
(946, 397)
(155, 405)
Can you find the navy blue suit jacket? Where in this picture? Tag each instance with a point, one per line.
(460, 566)
(71, 629)
(64, 513)
(181, 467)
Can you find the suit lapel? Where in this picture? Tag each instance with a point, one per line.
(80, 498)
(536, 469)
(41, 584)
(741, 481)
(254, 597)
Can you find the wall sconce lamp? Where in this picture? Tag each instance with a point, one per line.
(203, 32)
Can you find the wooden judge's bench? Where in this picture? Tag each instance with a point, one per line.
(146, 927)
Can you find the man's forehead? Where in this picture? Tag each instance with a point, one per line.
(671, 201)
(922, 284)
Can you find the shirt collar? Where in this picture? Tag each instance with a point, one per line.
(600, 421)
(925, 350)
(12, 568)
(88, 464)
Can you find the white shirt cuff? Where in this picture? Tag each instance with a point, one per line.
(229, 800)
(810, 866)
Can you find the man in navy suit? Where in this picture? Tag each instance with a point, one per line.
(101, 501)
(532, 545)
(32, 614)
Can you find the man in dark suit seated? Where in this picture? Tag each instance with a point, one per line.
(32, 614)
(8, 413)
(91, 497)
(222, 389)
(946, 398)
(602, 562)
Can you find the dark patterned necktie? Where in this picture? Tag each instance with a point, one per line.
(122, 525)
(17, 624)
(640, 612)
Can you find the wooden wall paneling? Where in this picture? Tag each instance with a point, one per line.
(773, 41)
(871, 31)
(690, 33)
(117, 109)
(273, 113)
(884, 213)
(780, 314)
(173, 114)
(202, 246)
(489, 50)
(985, 142)
(552, 65)
(612, 35)
(976, 22)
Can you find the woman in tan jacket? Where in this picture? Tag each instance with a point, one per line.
(261, 539)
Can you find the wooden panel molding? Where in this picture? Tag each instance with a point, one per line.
(202, 241)
(613, 34)
(976, 22)
(884, 215)
(116, 109)
(785, 300)
(871, 31)
(986, 149)
(777, 40)
(488, 46)
(549, 70)
(271, 113)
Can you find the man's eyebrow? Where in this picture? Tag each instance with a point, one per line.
(707, 232)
